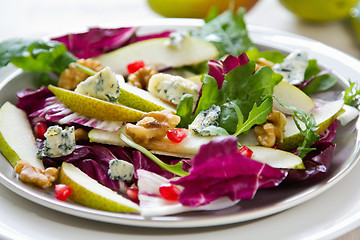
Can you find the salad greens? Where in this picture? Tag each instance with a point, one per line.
(233, 83)
(176, 169)
(310, 126)
(35, 55)
(227, 32)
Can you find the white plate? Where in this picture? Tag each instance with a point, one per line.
(266, 202)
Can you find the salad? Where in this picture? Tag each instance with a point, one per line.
(169, 122)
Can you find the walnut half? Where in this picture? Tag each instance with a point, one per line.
(36, 176)
(152, 126)
(272, 130)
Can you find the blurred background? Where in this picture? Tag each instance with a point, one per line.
(327, 21)
(332, 22)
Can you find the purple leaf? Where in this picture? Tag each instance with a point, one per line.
(220, 170)
(97, 41)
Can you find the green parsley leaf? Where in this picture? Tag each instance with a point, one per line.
(352, 95)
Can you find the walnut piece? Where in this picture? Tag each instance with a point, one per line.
(72, 76)
(36, 176)
(152, 126)
(278, 119)
(272, 130)
(265, 134)
(81, 135)
(141, 77)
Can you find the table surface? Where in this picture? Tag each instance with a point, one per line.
(37, 18)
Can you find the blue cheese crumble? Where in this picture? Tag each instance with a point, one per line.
(176, 39)
(171, 88)
(293, 67)
(205, 119)
(120, 170)
(58, 142)
(103, 85)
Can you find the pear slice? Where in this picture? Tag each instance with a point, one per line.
(142, 100)
(17, 141)
(276, 158)
(89, 192)
(292, 96)
(186, 148)
(324, 115)
(158, 52)
(95, 108)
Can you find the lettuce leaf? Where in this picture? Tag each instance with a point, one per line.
(227, 32)
(35, 55)
(219, 170)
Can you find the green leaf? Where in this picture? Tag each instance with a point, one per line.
(352, 94)
(320, 83)
(175, 169)
(210, 91)
(273, 56)
(227, 32)
(310, 126)
(184, 110)
(219, 131)
(35, 55)
(257, 115)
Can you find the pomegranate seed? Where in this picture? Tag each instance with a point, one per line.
(40, 129)
(176, 135)
(244, 150)
(133, 67)
(62, 191)
(169, 192)
(133, 194)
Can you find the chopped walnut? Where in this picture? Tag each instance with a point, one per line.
(261, 62)
(272, 130)
(36, 176)
(72, 76)
(141, 77)
(152, 126)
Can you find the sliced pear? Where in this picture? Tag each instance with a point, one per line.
(196, 79)
(95, 108)
(106, 137)
(142, 100)
(186, 149)
(89, 192)
(276, 158)
(17, 141)
(324, 115)
(292, 96)
(158, 53)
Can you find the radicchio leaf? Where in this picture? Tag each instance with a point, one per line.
(92, 160)
(97, 41)
(218, 70)
(42, 105)
(316, 162)
(219, 170)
